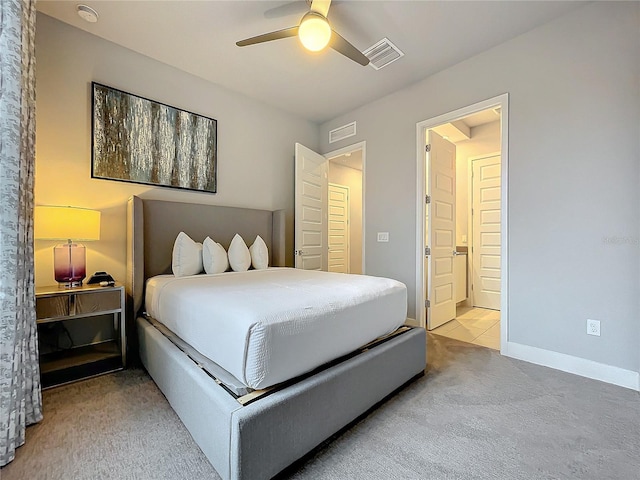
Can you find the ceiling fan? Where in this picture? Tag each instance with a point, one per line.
(314, 33)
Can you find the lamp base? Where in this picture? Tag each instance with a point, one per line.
(69, 263)
(69, 284)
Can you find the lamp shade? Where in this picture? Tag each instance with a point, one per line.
(62, 223)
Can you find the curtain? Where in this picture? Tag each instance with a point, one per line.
(20, 396)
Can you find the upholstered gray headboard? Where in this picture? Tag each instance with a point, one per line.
(152, 227)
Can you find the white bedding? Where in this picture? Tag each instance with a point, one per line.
(268, 326)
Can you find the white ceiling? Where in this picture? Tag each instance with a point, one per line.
(199, 37)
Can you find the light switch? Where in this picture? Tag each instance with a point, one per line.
(383, 236)
(464, 239)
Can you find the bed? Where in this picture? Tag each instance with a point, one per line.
(252, 426)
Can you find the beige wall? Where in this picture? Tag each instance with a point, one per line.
(351, 178)
(255, 141)
(484, 139)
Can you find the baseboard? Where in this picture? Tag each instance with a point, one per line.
(576, 365)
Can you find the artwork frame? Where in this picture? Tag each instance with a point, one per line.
(138, 140)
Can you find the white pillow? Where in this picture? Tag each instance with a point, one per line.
(187, 256)
(239, 256)
(259, 254)
(214, 257)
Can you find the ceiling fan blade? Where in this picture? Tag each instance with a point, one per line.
(267, 37)
(339, 44)
(321, 7)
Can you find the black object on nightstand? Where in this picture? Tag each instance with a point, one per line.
(101, 277)
(81, 304)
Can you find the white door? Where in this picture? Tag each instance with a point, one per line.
(310, 209)
(486, 232)
(338, 228)
(441, 231)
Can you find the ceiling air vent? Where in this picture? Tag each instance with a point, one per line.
(340, 133)
(382, 54)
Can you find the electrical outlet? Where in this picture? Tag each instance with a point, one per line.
(383, 236)
(593, 327)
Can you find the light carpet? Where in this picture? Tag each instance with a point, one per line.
(475, 415)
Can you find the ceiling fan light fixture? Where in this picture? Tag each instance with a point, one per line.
(314, 32)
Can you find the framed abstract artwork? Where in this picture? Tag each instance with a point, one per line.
(138, 140)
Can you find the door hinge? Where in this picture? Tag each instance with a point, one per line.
(428, 147)
(427, 251)
(427, 199)
(427, 303)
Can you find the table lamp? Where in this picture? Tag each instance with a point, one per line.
(67, 223)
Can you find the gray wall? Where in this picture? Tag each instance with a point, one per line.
(255, 141)
(573, 176)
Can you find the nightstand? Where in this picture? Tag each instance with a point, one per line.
(85, 304)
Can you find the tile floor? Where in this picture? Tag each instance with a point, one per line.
(479, 326)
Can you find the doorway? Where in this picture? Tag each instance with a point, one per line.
(329, 209)
(463, 262)
(346, 195)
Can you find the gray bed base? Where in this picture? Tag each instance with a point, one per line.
(258, 440)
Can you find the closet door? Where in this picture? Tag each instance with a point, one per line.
(486, 232)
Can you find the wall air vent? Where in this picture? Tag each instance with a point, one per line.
(340, 133)
(382, 54)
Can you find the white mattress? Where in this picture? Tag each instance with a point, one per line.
(268, 326)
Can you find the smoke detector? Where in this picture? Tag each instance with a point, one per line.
(87, 13)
